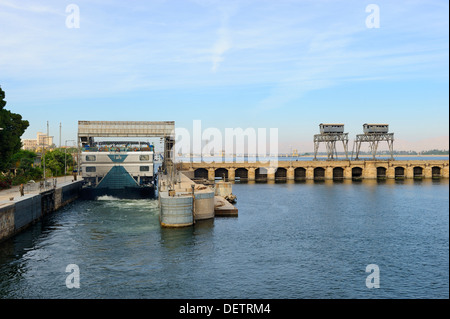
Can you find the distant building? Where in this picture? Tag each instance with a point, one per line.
(42, 140)
(29, 145)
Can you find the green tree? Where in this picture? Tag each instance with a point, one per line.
(435, 152)
(11, 129)
(25, 170)
(23, 162)
(54, 161)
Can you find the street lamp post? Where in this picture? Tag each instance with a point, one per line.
(43, 159)
(44, 144)
(65, 156)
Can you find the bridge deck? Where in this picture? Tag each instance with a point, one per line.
(291, 170)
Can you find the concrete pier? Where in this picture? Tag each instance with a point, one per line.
(18, 212)
(223, 208)
(185, 203)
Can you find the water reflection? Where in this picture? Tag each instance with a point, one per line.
(204, 226)
(176, 237)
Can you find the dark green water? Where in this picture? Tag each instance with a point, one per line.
(302, 240)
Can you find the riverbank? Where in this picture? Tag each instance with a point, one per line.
(17, 212)
(29, 189)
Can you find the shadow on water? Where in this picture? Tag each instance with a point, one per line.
(15, 250)
(26, 240)
(205, 225)
(12, 250)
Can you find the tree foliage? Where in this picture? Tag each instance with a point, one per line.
(23, 161)
(54, 161)
(23, 169)
(12, 127)
(435, 152)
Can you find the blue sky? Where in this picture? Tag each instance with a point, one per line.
(289, 64)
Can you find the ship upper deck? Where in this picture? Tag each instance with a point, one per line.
(119, 147)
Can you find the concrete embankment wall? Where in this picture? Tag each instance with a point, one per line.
(17, 215)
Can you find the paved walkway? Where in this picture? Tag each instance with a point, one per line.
(183, 185)
(31, 189)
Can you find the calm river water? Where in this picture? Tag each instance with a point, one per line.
(290, 241)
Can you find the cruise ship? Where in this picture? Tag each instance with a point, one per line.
(118, 169)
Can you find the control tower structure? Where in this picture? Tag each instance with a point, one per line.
(330, 134)
(373, 134)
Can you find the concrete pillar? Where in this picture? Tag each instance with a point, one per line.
(310, 172)
(427, 172)
(444, 171)
(348, 172)
(271, 174)
(370, 171)
(328, 172)
(231, 173)
(211, 174)
(290, 174)
(409, 171)
(251, 173)
(390, 172)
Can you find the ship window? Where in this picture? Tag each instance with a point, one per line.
(91, 158)
(144, 169)
(144, 158)
(90, 169)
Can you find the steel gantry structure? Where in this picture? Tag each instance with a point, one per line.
(330, 134)
(373, 134)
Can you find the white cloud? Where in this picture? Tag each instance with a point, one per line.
(222, 45)
(33, 8)
(289, 47)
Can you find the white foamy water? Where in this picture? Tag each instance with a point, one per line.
(107, 197)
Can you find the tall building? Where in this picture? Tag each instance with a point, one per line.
(29, 145)
(42, 140)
